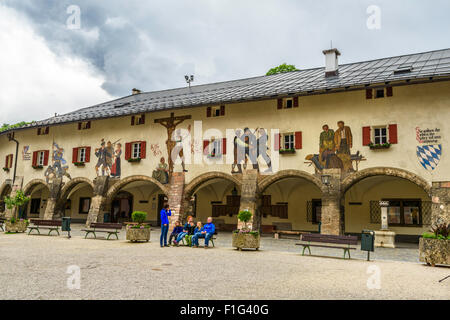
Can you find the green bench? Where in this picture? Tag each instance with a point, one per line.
(101, 227)
(345, 242)
(50, 225)
(211, 240)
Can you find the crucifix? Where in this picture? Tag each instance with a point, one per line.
(171, 124)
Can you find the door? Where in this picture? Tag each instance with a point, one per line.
(162, 199)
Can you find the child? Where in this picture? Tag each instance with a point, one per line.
(175, 232)
(191, 232)
(185, 232)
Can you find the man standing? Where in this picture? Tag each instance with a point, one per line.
(207, 233)
(165, 214)
(343, 139)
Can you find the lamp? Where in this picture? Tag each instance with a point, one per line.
(326, 179)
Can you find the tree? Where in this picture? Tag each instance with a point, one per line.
(282, 68)
(17, 201)
(6, 126)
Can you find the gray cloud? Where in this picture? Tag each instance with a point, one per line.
(151, 45)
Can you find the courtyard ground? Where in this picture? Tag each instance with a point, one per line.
(35, 267)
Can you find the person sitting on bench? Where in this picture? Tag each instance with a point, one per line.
(207, 232)
(175, 232)
(188, 231)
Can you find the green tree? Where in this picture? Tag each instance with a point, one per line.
(282, 68)
(6, 126)
(16, 202)
(245, 217)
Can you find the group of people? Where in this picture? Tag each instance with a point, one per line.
(108, 159)
(190, 232)
(247, 146)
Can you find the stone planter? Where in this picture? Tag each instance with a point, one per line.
(18, 226)
(138, 234)
(245, 241)
(434, 251)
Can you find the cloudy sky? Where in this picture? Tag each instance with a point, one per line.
(54, 60)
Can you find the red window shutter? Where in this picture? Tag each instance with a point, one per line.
(143, 149)
(369, 93)
(295, 102)
(205, 147)
(366, 136)
(222, 110)
(79, 125)
(35, 155)
(88, 154)
(11, 158)
(393, 137)
(277, 142)
(75, 155)
(143, 119)
(280, 104)
(127, 151)
(208, 112)
(298, 140)
(224, 146)
(389, 92)
(132, 120)
(46, 154)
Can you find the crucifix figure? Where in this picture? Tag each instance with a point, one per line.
(171, 124)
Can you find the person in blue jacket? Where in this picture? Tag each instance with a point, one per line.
(207, 232)
(165, 214)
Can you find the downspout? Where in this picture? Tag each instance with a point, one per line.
(11, 138)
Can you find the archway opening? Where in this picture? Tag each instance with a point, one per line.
(76, 202)
(291, 204)
(5, 192)
(35, 208)
(135, 195)
(409, 211)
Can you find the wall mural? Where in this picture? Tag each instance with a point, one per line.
(335, 150)
(171, 124)
(429, 148)
(108, 156)
(59, 167)
(161, 173)
(26, 153)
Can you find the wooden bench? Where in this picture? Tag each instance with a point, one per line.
(109, 228)
(211, 240)
(345, 241)
(277, 233)
(51, 225)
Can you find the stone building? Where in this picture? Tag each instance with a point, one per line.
(340, 138)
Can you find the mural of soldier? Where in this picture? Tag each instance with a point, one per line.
(102, 163)
(59, 167)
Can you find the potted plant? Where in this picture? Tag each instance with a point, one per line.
(434, 247)
(131, 160)
(6, 169)
(287, 151)
(374, 146)
(245, 237)
(79, 164)
(15, 224)
(138, 230)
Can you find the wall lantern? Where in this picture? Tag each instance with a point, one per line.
(326, 179)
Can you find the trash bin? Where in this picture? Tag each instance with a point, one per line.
(65, 224)
(367, 242)
(106, 217)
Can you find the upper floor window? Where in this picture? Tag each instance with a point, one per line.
(43, 131)
(379, 93)
(138, 120)
(216, 111)
(288, 103)
(84, 125)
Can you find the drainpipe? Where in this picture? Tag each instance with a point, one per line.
(11, 138)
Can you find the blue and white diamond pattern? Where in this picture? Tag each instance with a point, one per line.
(429, 156)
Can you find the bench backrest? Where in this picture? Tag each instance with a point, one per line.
(283, 226)
(102, 225)
(326, 238)
(50, 223)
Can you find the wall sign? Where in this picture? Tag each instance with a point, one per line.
(429, 148)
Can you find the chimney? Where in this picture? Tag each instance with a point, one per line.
(331, 62)
(135, 91)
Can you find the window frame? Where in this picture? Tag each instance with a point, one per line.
(374, 136)
(40, 158)
(283, 135)
(133, 150)
(80, 205)
(81, 151)
(285, 104)
(211, 145)
(402, 213)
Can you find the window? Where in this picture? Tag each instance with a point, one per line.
(85, 204)
(216, 111)
(84, 125)
(380, 135)
(316, 211)
(9, 161)
(81, 155)
(405, 212)
(136, 150)
(289, 103)
(379, 93)
(40, 158)
(35, 206)
(288, 141)
(215, 149)
(43, 131)
(138, 120)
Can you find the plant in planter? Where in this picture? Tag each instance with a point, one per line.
(38, 167)
(6, 169)
(374, 146)
(14, 203)
(287, 151)
(79, 164)
(245, 237)
(434, 247)
(138, 230)
(134, 160)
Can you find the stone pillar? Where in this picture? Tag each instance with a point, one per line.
(54, 186)
(98, 201)
(250, 199)
(331, 200)
(176, 197)
(18, 183)
(440, 209)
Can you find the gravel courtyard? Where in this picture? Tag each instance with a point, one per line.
(35, 267)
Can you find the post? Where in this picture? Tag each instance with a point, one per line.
(331, 202)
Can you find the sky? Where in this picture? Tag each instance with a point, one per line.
(59, 56)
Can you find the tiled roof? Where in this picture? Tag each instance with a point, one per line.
(421, 65)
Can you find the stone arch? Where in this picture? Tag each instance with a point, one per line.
(196, 182)
(269, 180)
(354, 178)
(123, 182)
(5, 187)
(33, 183)
(68, 187)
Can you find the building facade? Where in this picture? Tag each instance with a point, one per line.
(339, 140)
